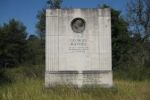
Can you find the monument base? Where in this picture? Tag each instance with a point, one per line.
(79, 79)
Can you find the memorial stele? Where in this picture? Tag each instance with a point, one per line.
(78, 47)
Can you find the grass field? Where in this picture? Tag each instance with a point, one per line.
(33, 89)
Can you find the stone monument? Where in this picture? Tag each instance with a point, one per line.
(78, 47)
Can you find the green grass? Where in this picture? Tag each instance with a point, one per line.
(33, 89)
(25, 83)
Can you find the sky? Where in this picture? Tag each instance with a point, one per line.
(26, 10)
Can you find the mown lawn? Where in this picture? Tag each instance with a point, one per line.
(33, 89)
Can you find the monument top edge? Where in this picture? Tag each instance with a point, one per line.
(80, 9)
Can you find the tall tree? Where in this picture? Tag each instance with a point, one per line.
(12, 43)
(34, 54)
(54, 4)
(120, 40)
(139, 17)
(41, 16)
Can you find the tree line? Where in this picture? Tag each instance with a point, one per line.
(130, 39)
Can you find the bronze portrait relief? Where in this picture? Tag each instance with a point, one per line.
(78, 25)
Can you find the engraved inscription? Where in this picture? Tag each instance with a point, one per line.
(78, 45)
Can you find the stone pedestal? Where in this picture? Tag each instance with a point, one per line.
(103, 78)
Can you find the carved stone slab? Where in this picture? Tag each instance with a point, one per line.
(78, 47)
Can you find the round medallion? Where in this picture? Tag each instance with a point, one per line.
(78, 25)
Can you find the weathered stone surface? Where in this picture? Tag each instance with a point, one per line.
(78, 47)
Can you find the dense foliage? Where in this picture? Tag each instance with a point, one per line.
(12, 43)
